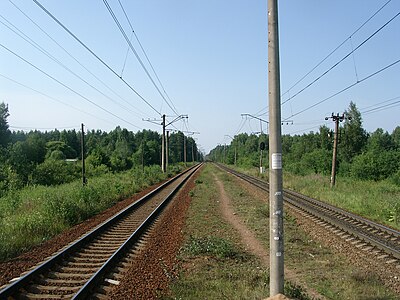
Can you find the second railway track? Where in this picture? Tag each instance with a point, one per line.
(77, 271)
(363, 233)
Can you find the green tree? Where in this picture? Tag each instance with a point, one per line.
(354, 137)
(68, 152)
(396, 137)
(4, 131)
(121, 157)
(54, 172)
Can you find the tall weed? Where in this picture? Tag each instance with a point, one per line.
(36, 213)
(378, 201)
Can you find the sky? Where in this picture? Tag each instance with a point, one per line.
(210, 62)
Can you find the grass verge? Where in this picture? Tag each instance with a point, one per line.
(35, 214)
(316, 265)
(378, 201)
(215, 265)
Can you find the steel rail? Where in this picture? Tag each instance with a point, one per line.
(372, 233)
(16, 286)
(85, 291)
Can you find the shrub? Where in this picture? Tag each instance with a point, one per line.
(35, 213)
(395, 178)
(54, 172)
(375, 165)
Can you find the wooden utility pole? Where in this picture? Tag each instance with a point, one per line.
(335, 119)
(275, 155)
(84, 180)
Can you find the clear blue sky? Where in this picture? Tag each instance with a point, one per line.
(211, 57)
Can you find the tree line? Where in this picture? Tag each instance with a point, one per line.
(52, 157)
(361, 155)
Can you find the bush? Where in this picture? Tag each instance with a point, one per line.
(57, 155)
(54, 172)
(395, 178)
(33, 214)
(375, 165)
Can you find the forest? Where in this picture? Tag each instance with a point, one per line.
(361, 155)
(54, 157)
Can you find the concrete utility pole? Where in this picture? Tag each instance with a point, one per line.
(224, 152)
(163, 145)
(184, 149)
(261, 133)
(163, 140)
(335, 119)
(167, 150)
(275, 155)
(84, 181)
(193, 152)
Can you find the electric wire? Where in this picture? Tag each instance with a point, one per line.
(75, 59)
(379, 103)
(41, 49)
(302, 130)
(241, 125)
(338, 47)
(54, 99)
(66, 86)
(341, 60)
(330, 54)
(43, 128)
(121, 29)
(345, 89)
(95, 55)
(382, 107)
(145, 54)
(126, 58)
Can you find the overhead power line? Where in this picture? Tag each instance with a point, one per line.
(95, 55)
(43, 128)
(41, 49)
(345, 89)
(337, 48)
(145, 54)
(341, 60)
(54, 99)
(121, 29)
(75, 59)
(307, 129)
(329, 55)
(67, 87)
(380, 107)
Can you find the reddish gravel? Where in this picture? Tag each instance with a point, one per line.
(14, 267)
(151, 271)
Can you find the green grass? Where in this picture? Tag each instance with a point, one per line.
(322, 269)
(215, 264)
(35, 214)
(376, 200)
(379, 201)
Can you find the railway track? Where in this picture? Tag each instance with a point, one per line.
(83, 269)
(365, 234)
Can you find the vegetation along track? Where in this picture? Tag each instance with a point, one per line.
(77, 271)
(363, 233)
